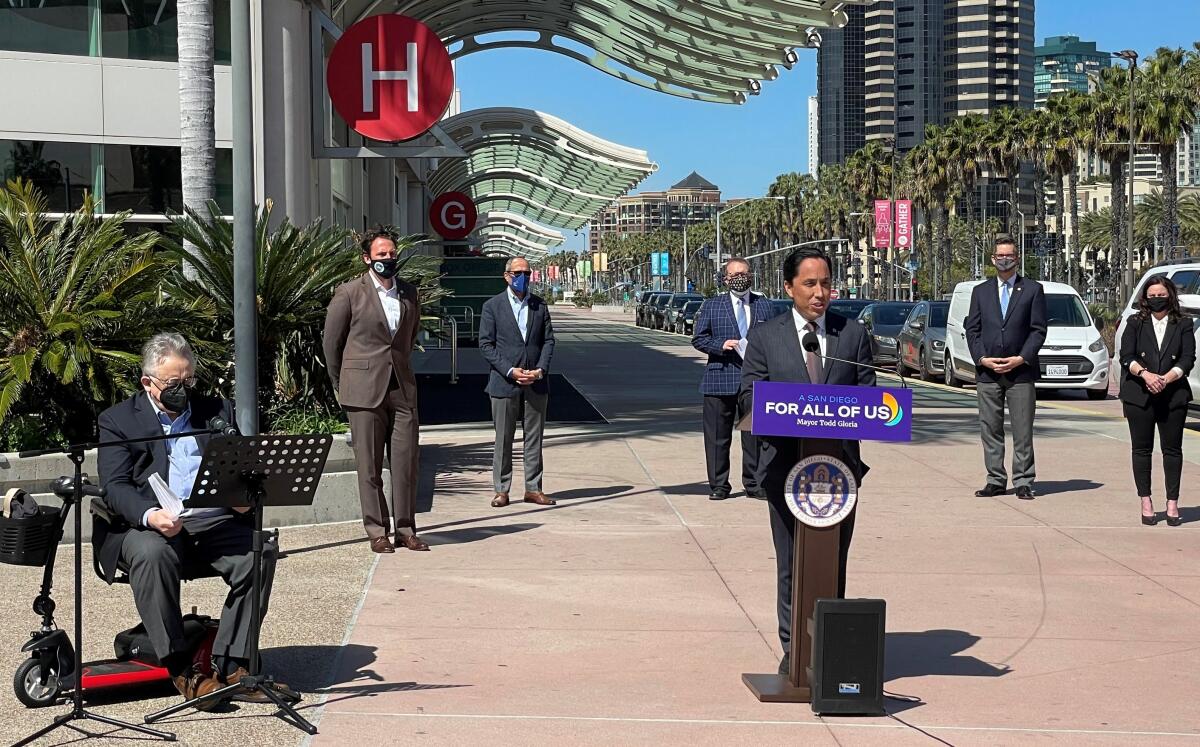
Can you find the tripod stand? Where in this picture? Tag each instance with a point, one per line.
(77, 712)
(242, 471)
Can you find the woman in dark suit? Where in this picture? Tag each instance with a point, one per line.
(1158, 350)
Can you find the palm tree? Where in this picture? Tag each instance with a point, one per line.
(1001, 145)
(78, 297)
(291, 304)
(197, 104)
(1168, 110)
(933, 184)
(962, 153)
(1110, 124)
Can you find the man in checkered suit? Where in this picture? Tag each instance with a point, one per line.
(721, 329)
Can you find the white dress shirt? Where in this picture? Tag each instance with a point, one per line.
(390, 298)
(802, 330)
(1160, 332)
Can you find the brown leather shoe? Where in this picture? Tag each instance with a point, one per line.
(256, 696)
(191, 684)
(411, 541)
(382, 544)
(538, 497)
(500, 501)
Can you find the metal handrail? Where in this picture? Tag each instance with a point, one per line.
(453, 350)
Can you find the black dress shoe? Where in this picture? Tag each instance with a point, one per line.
(784, 665)
(1025, 493)
(718, 495)
(758, 495)
(989, 490)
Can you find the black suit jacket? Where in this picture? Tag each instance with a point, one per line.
(1140, 344)
(1022, 331)
(501, 344)
(773, 353)
(125, 470)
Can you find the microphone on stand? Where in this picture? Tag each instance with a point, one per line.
(811, 344)
(218, 425)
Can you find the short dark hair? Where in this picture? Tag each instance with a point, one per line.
(1003, 238)
(380, 231)
(791, 265)
(1143, 305)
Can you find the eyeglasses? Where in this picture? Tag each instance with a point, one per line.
(189, 382)
(526, 273)
(738, 275)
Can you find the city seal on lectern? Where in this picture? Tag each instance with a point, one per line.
(821, 491)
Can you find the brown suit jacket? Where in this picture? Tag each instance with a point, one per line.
(361, 354)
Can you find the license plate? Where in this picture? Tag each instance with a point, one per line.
(1058, 370)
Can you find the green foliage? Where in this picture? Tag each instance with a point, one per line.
(298, 270)
(295, 420)
(78, 298)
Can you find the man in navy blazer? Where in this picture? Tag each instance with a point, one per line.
(722, 325)
(1005, 328)
(516, 338)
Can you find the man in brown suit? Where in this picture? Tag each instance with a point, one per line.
(370, 330)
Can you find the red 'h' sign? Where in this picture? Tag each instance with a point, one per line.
(390, 77)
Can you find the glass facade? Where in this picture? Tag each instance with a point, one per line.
(141, 178)
(127, 29)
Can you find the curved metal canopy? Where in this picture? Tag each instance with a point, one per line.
(530, 238)
(709, 50)
(536, 166)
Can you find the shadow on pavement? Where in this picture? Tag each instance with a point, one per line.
(575, 494)
(1050, 487)
(935, 652)
(474, 534)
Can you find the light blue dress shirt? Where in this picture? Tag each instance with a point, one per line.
(183, 457)
(520, 307)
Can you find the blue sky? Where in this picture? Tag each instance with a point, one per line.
(743, 148)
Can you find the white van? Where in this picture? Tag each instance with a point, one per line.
(1073, 356)
(1185, 273)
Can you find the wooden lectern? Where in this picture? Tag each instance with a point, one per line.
(814, 576)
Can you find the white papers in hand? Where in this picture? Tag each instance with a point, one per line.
(167, 498)
(741, 348)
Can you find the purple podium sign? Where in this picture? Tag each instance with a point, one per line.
(861, 413)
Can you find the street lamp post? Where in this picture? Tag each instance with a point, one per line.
(717, 262)
(1131, 57)
(1017, 210)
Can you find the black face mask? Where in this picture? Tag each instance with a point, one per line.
(175, 398)
(1158, 304)
(385, 268)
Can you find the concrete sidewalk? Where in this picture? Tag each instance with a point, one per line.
(627, 613)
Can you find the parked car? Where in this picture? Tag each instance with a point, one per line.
(683, 320)
(645, 301)
(1073, 357)
(922, 340)
(884, 320)
(1185, 273)
(849, 307)
(675, 301)
(654, 308)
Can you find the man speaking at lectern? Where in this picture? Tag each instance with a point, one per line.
(776, 352)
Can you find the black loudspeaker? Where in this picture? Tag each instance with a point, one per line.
(847, 665)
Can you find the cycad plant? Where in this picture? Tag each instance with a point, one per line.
(298, 269)
(78, 297)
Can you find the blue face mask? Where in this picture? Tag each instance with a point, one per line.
(520, 283)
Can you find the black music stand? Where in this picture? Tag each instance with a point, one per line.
(257, 471)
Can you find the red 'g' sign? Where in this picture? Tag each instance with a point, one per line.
(453, 215)
(390, 77)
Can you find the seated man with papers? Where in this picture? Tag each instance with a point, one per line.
(156, 534)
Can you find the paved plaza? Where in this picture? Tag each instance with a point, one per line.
(627, 613)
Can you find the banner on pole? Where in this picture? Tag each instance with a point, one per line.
(904, 224)
(883, 223)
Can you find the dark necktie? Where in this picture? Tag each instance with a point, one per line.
(815, 374)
